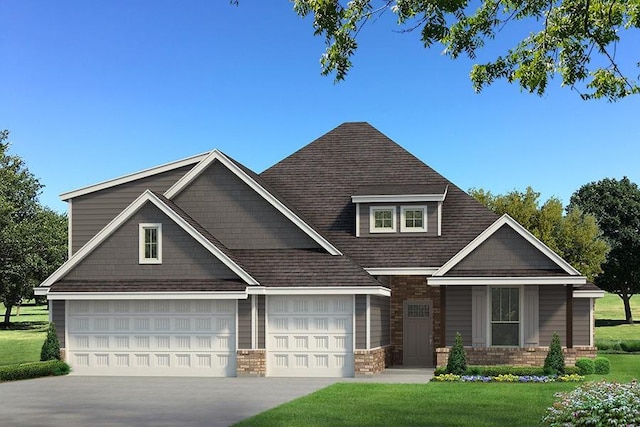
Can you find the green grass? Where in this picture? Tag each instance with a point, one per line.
(441, 404)
(610, 320)
(23, 341)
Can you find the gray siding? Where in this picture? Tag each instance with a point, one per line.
(261, 321)
(244, 323)
(182, 257)
(432, 219)
(238, 216)
(380, 312)
(552, 300)
(361, 321)
(458, 314)
(58, 318)
(505, 250)
(91, 212)
(581, 321)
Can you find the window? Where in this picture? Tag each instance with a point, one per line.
(414, 219)
(150, 244)
(505, 316)
(382, 219)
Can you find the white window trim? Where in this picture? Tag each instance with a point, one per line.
(403, 225)
(520, 315)
(141, 257)
(394, 219)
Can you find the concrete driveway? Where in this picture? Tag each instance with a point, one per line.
(146, 401)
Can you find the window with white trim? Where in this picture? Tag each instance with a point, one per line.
(505, 316)
(382, 219)
(413, 219)
(150, 236)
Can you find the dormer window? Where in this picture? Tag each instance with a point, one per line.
(413, 219)
(382, 219)
(150, 236)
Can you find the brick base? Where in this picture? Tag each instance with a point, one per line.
(63, 354)
(369, 362)
(514, 356)
(251, 363)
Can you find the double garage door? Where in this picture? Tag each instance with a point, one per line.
(309, 336)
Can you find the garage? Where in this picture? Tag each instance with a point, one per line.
(310, 336)
(152, 337)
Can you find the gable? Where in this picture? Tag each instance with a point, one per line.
(116, 258)
(236, 214)
(506, 250)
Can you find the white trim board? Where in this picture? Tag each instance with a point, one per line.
(401, 271)
(400, 198)
(329, 290)
(127, 213)
(133, 176)
(144, 295)
(523, 232)
(505, 281)
(214, 155)
(588, 294)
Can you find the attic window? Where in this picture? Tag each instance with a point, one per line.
(382, 219)
(414, 219)
(150, 236)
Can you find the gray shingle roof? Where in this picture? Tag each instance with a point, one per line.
(319, 180)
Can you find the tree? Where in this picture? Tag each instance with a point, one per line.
(457, 361)
(616, 206)
(32, 238)
(574, 236)
(51, 346)
(575, 39)
(554, 362)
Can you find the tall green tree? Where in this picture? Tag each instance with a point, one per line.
(577, 40)
(32, 238)
(616, 205)
(574, 236)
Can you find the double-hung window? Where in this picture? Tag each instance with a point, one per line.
(382, 219)
(413, 219)
(150, 244)
(505, 316)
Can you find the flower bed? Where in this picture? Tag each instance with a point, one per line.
(508, 378)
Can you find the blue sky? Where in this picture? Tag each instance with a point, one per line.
(95, 90)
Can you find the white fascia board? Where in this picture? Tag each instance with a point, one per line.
(127, 213)
(505, 281)
(588, 294)
(133, 176)
(506, 219)
(281, 207)
(401, 271)
(145, 295)
(401, 198)
(40, 291)
(328, 290)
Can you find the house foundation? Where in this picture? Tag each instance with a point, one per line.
(533, 356)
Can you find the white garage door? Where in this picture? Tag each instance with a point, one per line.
(162, 338)
(310, 336)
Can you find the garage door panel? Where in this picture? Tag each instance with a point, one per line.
(181, 338)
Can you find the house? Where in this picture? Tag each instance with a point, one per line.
(346, 257)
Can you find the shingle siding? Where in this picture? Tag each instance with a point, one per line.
(91, 212)
(458, 314)
(237, 215)
(118, 258)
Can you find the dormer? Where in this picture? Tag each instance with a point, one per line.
(394, 210)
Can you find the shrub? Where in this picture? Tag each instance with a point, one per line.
(51, 347)
(570, 370)
(601, 365)
(554, 362)
(33, 370)
(457, 362)
(494, 371)
(594, 404)
(586, 366)
(630, 346)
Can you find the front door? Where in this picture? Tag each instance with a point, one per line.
(417, 342)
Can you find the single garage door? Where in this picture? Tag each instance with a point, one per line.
(310, 336)
(162, 337)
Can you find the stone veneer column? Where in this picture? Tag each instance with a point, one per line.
(369, 362)
(251, 363)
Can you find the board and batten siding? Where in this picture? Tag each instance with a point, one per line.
(361, 322)
(117, 257)
(552, 300)
(432, 218)
(458, 314)
(91, 212)
(244, 323)
(582, 321)
(380, 321)
(58, 317)
(238, 216)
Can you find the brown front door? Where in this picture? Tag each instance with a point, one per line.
(417, 336)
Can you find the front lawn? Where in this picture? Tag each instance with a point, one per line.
(610, 320)
(23, 341)
(441, 404)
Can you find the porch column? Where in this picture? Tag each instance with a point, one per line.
(569, 321)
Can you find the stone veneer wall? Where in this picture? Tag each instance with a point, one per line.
(251, 363)
(412, 288)
(514, 356)
(369, 362)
